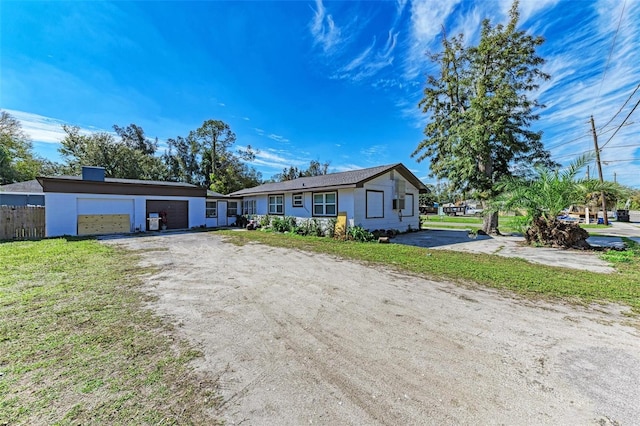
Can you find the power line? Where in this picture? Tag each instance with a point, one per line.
(583, 136)
(574, 154)
(620, 161)
(625, 146)
(622, 107)
(622, 124)
(613, 43)
(568, 142)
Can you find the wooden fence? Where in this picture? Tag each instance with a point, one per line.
(21, 222)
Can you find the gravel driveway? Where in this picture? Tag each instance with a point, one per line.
(298, 338)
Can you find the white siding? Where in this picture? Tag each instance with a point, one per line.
(221, 219)
(353, 201)
(62, 210)
(392, 218)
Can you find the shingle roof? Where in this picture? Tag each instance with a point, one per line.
(214, 194)
(128, 181)
(351, 178)
(31, 186)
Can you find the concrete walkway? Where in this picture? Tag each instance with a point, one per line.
(511, 246)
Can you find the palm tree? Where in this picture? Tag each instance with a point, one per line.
(545, 195)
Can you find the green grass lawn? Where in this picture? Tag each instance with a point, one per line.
(506, 224)
(511, 274)
(78, 345)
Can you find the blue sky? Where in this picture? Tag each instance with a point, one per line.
(302, 81)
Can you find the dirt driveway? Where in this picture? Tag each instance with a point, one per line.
(298, 338)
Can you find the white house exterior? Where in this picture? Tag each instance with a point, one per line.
(93, 204)
(384, 197)
(221, 210)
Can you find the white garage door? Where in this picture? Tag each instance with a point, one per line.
(104, 216)
(105, 206)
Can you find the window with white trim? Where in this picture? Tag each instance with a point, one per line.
(298, 200)
(276, 204)
(325, 204)
(232, 209)
(211, 209)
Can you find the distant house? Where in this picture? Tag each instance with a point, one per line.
(383, 197)
(27, 193)
(92, 204)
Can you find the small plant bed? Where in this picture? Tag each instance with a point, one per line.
(78, 345)
(517, 275)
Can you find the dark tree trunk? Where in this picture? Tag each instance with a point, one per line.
(555, 233)
(489, 221)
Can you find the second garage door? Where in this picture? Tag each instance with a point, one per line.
(177, 212)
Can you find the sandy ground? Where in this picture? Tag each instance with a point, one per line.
(298, 338)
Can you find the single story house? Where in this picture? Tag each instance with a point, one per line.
(221, 210)
(92, 204)
(383, 197)
(28, 193)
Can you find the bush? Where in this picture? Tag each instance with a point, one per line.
(330, 230)
(265, 221)
(310, 227)
(283, 224)
(358, 233)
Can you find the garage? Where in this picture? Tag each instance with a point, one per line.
(177, 212)
(93, 204)
(98, 216)
(101, 224)
(104, 216)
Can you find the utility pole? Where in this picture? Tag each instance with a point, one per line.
(588, 175)
(615, 175)
(595, 142)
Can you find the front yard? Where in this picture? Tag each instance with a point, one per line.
(78, 345)
(82, 342)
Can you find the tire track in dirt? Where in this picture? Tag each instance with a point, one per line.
(299, 338)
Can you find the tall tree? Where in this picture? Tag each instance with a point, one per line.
(125, 158)
(183, 159)
(289, 173)
(133, 136)
(205, 158)
(216, 138)
(18, 162)
(480, 110)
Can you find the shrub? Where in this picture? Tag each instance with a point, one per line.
(358, 233)
(283, 224)
(330, 227)
(310, 227)
(265, 221)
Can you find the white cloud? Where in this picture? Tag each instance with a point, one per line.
(277, 160)
(369, 62)
(527, 8)
(323, 28)
(43, 129)
(347, 167)
(427, 20)
(278, 138)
